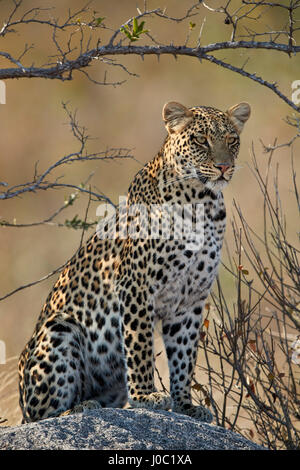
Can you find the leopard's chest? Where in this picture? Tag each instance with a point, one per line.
(194, 282)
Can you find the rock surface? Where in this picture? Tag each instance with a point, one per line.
(122, 429)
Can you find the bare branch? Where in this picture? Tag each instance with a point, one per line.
(30, 284)
(72, 57)
(40, 182)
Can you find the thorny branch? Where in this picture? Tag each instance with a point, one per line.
(74, 51)
(42, 182)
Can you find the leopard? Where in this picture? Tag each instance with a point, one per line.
(93, 343)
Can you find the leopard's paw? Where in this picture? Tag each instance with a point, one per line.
(82, 407)
(153, 401)
(198, 412)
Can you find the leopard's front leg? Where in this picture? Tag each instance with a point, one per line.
(137, 326)
(181, 335)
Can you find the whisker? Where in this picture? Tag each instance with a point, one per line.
(178, 178)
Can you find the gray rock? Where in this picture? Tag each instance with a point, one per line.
(122, 429)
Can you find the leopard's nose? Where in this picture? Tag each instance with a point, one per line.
(222, 167)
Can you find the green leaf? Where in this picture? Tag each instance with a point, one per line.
(141, 26)
(125, 31)
(99, 20)
(77, 223)
(134, 33)
(135, 28)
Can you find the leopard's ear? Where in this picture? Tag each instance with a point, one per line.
(239, 114)
(176, 116)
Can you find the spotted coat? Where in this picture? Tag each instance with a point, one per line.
(93, 342)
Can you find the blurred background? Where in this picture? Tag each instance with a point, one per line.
(35, 128)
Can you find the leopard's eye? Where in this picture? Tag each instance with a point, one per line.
(201, 139)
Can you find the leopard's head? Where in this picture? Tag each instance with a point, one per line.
(203, 142)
